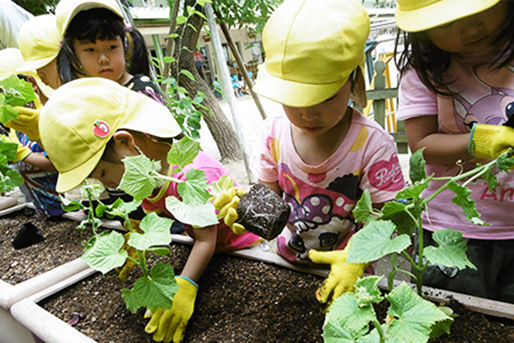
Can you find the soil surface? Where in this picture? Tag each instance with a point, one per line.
(62, 243)
(239, 300)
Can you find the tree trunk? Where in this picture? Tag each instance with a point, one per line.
(218, 124)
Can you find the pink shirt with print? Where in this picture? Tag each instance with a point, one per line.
(323, 196)
(226, 239)
(483, 95)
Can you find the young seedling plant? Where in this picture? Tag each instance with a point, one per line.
(410, 318)
(106, 251)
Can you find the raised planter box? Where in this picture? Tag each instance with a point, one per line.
(10, 293)
(51, 329)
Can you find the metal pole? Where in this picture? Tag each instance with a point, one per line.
(227, 84)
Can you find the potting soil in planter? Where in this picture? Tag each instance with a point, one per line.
(61, 244)
(238, 301)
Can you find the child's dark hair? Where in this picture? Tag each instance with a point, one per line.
(89, 25)
(431, 63)
(137, 54)
(101, 23)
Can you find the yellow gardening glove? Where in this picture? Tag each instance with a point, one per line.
(22, 151)
(168, 324)
(489, 141)
(124, 271)
(227, 203)
(27, 122)
(342, 277)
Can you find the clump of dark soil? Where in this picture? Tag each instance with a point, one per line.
(239, 300)
(61, 244)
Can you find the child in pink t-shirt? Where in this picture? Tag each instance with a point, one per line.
(103, 123)
(456, 91)
(323, 154)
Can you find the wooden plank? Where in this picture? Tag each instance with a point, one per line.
(381, 94)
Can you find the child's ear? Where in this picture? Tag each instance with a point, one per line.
(125, 140)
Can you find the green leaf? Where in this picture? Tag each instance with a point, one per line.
(412, 192)
(93, 187)
(414, 316)
(451, 250)
(181, 19)
(346, 319)
(183, 152)
(188, 74)
(374, 241)
(492, 182)
(462, 199)
(156, 231)
(17, 92)
(417, 167)
(120, 208)
(194, 191)
(396, 212)
(363, 208)
(200, 215)
(70, 206)
(105, 253)
(367, 291)
(8, 150)
(7, 112)
(9, 179)
(443, 327)
(505, 161)
(156, 290)
(139, 179)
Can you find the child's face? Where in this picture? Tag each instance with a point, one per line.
(49, 74)
(318, 119)
(103, 58)
(108, 173)
(471, 34)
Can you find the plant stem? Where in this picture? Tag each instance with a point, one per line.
(419, 266)
(377, 326)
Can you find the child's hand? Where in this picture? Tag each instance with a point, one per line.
(490, 141)
(226, 202)
(28, 122)
(168, 324)
(342, 277)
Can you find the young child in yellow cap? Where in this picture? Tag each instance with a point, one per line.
(96, 42)
(38, 43)
(103, 122)
(323, 153)
(456, 91)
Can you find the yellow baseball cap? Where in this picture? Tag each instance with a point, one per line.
(82, 116)
(312, 47)
(38, 41)
(66, 10)
(11, 60)
(420, 15)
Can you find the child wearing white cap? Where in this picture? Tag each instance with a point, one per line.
(456, 93)
(323, 153)
(103, 122)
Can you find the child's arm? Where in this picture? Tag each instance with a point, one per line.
(201, 253)
(274, 186)
(440, 148)
(40, 161)
(171, 323)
